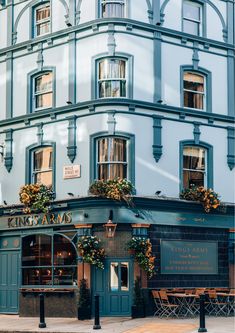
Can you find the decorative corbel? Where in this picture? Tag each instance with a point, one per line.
(157, 138)
(72, 147)
(8, 149)
(231, 147)
(196, 133)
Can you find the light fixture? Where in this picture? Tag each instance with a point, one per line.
(110, 227)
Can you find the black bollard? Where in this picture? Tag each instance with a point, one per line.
(96, 325)
(202, 327)
(42, 323)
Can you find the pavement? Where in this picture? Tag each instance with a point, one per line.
(16, 324)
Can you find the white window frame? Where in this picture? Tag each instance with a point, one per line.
(121, 2)
(195, 170)
(33, 173)
(199, 22)
(204, 93)
(42, 92)
(36, 23)
(113, 79)
(109, 162)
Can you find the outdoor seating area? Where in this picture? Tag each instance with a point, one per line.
(180, 302)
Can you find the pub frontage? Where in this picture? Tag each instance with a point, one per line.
(39, 253)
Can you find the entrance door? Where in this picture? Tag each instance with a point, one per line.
(9, 281)
(114, 286)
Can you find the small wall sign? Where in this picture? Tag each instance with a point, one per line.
(72, 171)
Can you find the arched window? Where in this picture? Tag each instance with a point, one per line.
(42, 91)
(42, 172)
(42, 19)
(194, 90)
(40, 164)
(112, 8)
(196, 164)
(48, 261)
(111, 158)
(112, 77)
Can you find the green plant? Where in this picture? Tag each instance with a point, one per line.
(91, 251)
(36, 197)
(208, 198)
(142, 250)
(84, 300)
(116, 189)
(138, 299)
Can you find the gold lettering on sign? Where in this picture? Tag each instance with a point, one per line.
(37, 220)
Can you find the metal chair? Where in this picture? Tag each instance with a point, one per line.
(157, 301)
(214, 306)
(168, 308)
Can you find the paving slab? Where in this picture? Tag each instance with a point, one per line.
(16, 324)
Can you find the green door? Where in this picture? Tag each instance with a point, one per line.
(114, 286)
(9, 279)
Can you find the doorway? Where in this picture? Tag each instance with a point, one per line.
(114, 285)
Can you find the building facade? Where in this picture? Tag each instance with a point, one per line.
(98, 89)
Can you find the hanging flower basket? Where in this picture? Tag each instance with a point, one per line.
(116, 189)
(91, 251)
(36, 197)
(208, 198)
(142, 251)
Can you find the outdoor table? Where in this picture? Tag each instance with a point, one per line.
(185, 301)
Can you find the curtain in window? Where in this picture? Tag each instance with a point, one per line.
(112, 8)
(193, 90)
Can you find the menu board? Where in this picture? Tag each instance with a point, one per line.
(189, 257)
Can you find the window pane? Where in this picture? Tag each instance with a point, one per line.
(192, 100)
(194, 158)
(191, 11)
(103, 150)
(44, 101)
(103, 171)
(43, 28)
(37, 276)
(124, 276)
(193, 82)
(114, 276)
(193, 178)
(117, 150)
(43, 83)
(112, 68)
(112, 9)
(36, 250)
(64, 252)
(191, 27)
(42, 159)
(65, 276)
(43, 13)
(44, 178)
(118, 170)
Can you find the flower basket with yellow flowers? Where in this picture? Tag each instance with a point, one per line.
(208, 198)
(36, 197)
(116, 189)
(142, 252)
(91, 251)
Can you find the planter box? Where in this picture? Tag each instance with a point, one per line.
(84, 313)
(138, 311)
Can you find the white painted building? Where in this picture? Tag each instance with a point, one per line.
(147, 84)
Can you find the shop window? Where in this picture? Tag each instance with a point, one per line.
(112, 8)
(42, 20)
(42, 166)
(192, 18)
(112, 78)
(48, 261)
(111, 158)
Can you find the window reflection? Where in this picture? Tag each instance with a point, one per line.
(114, 276)
(124, 276)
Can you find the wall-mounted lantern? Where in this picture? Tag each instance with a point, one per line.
(110, 227)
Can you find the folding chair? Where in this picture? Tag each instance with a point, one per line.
(169, 309)
(196, 303)
(215, 306)
(157, 301)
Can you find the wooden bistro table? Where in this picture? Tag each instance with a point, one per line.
(186, 303)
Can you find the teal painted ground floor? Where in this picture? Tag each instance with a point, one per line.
(39, 254)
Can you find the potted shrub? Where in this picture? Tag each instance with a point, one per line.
(84, 301)
(138, 308)
(91, 251)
